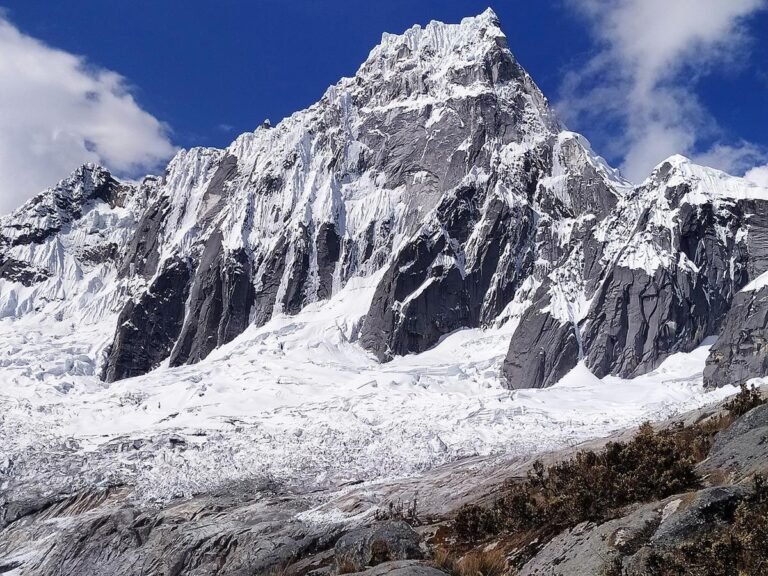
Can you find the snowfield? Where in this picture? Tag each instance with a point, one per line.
(297, 401)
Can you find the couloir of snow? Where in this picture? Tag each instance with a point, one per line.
(298, 400)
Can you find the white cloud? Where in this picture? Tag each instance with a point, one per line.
(641, 82)
(734, 159)
(758, 175)
(57, 112)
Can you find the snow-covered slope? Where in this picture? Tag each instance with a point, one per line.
(298, 402)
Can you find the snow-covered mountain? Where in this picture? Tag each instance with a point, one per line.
(428, 230)
(439, 165)
(423, 266)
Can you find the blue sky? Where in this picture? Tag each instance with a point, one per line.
(211, 70)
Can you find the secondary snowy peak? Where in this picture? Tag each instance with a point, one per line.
(706, 184)
(657, 276)
(47, 213)
(58, 242)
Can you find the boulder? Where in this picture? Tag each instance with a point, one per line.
(402, 569)
(376, 545)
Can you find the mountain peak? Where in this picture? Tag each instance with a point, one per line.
(489, 15)
(705, 182)
(442, 39)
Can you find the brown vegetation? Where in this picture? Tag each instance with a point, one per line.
(476, 563)
(593, 485)
(744, 401)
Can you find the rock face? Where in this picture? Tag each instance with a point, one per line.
(544, 352)
(741, 450)
(656, 276)
(402, 569)
(149, 326)
(440, 170)
(219, 304)
(741, 350)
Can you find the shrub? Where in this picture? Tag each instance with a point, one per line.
(593, 485)
(747, 399)
(474, 522)
(400, 511)
(477, 563)
(483, 563)
(346, 565)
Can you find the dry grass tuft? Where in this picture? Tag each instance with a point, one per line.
(477, 563)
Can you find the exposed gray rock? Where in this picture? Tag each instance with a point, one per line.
(328, 254)
(219, 305)
(591, 549)
(148, 327)
(14, 270)
(142, 256)
(402, 569)
(742, 449)
(544, 351)
(637, 320)
(705, 511)
(588, 549)
(741, 350)
(377, 544)
(102, 532)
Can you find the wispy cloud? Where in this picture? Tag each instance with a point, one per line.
(638, 90)
(57, 111)
(758, 175)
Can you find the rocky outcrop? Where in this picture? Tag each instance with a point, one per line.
(219, 305)
(627, 544)
(741, 450)
(589, 549)
(142, 257)
(19, 271)
(637, 320)
(102, 532)
(741, 351)
(148, 327)
(376, 545)
(545, 351)
(402, 569)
